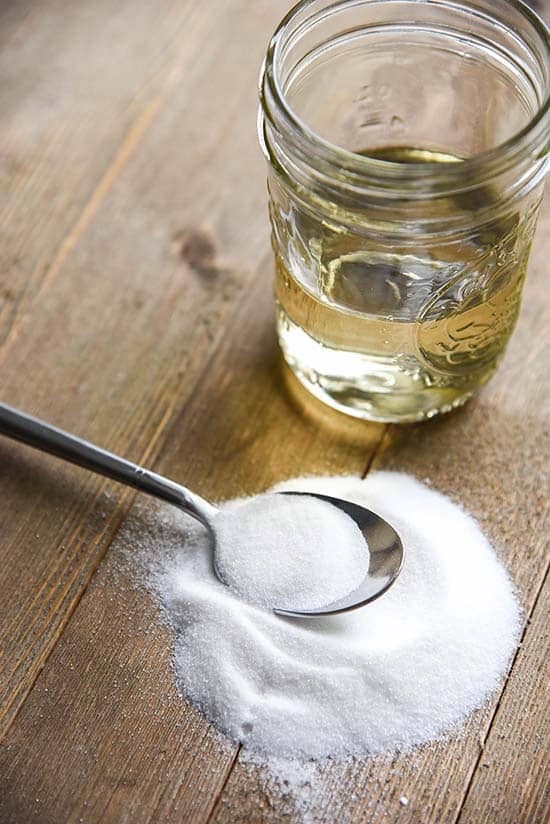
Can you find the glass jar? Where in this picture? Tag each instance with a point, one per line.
(407, 143)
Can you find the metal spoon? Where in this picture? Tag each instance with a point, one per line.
(386, 550)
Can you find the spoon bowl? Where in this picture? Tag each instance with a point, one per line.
(384, 544)
(386, 559)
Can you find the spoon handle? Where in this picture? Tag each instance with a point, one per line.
(41, 435)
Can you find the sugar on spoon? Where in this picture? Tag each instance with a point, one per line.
(384, 544)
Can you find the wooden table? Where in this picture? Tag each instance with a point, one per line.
(136, 310)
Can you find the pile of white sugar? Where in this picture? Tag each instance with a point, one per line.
(401, 671)
(289, 551)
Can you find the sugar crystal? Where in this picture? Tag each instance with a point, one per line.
(405, 670)
(289, 551)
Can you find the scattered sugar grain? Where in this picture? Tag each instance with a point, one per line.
(289, 551)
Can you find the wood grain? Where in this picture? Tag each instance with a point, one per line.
(136, 309)
(124, 325)
(511, 782)
(71, 116)
(118, 743)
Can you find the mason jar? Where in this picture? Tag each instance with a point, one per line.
(407, 143)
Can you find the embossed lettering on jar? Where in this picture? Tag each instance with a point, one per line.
(407, 146)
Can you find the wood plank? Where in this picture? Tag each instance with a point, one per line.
(515, 756)
(118, 744)
(492, 457)
(199, 440)
(110, 748)
(78, 85)
(123, 330)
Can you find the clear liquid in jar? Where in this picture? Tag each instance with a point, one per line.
(395, 336)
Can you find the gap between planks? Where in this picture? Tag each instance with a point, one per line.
(121, 158)
(380, 448)
(494, 716)
(126, 504)
(124, 153)
(151, 453)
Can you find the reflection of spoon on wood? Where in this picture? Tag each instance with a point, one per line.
(385, 548)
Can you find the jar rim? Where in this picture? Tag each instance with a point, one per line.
(493, 160)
